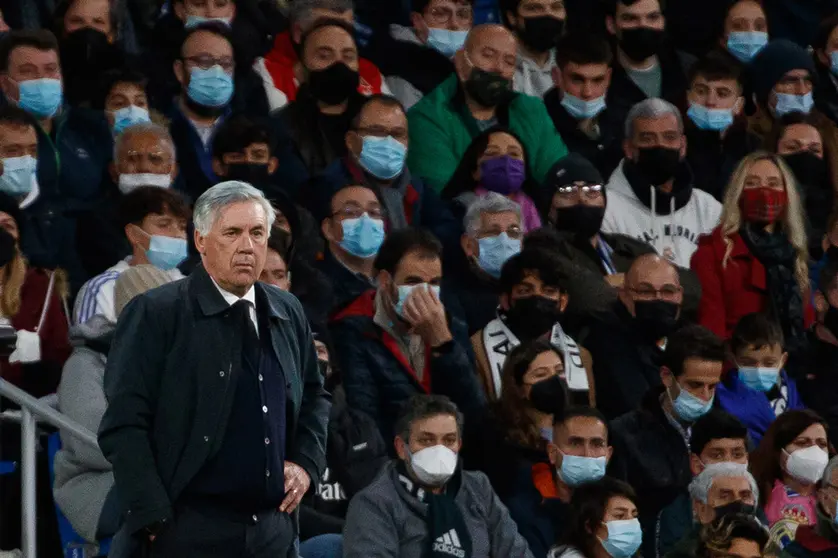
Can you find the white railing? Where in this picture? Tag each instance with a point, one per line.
(32, 411)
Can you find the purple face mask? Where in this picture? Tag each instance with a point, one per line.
(503, 175)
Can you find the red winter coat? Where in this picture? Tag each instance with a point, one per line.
(280, 64)
(42, 377)
(731, 292)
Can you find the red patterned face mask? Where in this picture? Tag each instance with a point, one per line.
(763, 205)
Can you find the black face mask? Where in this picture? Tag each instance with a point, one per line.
(488, 89)
(641, 43)
(733, 508)
(541, 33)
(808, 168)
(658, 164)
(252, 173)
(655, 319)
(584, 220)
(530, 318)
(549, 396)
(333, 85)
(8, 247)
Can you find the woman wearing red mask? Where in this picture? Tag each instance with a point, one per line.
(756, 259)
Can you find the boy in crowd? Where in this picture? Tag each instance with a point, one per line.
(758, 390)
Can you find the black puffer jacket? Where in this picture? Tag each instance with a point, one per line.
(651, 455)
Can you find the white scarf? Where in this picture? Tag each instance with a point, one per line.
(499, 341)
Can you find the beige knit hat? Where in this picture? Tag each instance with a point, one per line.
(135, 281)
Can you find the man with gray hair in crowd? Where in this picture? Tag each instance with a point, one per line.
(216, 424)
(651, 194)
(493, 232)
(720, 489)
(143, 155)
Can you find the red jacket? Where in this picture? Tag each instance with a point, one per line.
(280, 64)
(731, 292)
(55, 343)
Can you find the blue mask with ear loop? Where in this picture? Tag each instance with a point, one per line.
(688, 407)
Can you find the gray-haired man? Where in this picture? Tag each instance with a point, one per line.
(651, 195)
(217, 415)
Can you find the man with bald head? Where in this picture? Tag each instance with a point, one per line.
(477, 97)
(627, 345)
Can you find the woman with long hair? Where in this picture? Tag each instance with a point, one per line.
(515, 434)
(808, 144)
(756, 259)
(496, 161)
(603, 522)
(788, 464)
(34, 340)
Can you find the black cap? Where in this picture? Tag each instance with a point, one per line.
(571, 169)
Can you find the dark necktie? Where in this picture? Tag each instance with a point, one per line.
(250, 339)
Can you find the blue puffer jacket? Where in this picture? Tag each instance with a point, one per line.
(751, 406)
(378, 377)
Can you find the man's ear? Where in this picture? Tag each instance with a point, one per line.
(505, 302)
(461, 65)
(8, 87)
(468, 245)
(695, 464)
(299, 72)
(200, 242)
(180, 71)
(608, 453)
(326, 230)
(218, 167)
(824, 59)
(666, 376)
(563, 300)
(273, 164)
(739, 106)
(419, 26)
(401, 448)
(627, 148)
(556, 74)
(610, 25)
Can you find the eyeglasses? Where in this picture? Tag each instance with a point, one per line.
(354, 211)
(441, 16)
(586, 191)
(669, 293)
(205, 62)
(513, 232)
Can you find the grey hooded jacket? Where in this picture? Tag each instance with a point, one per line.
(83, 477)
(385, 520)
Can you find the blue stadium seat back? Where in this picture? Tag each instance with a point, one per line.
(8, 467)
(72, 543)
(486, 11)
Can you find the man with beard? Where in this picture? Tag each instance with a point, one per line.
(537, 25)
(478, 97)
(651, 193)
(646, 67)
(532, 302)
(627, 343)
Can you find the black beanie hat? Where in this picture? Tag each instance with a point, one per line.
(571, 169)
(778, 58)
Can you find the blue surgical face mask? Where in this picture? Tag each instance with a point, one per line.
(759, 378)
(211, 88)
(624, 538)
(383, 157)
(446, 41)
(129, 116)
(688, 407)
(716, 120)
(18, 175)
(165, 252)
(744, 45)
(788, 103)
(193, 21)
(405, 290)
(495, 250)
(576, 470)
(581, 109)
(362, 237)
(41, 97)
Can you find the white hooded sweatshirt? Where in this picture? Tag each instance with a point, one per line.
(675, 235)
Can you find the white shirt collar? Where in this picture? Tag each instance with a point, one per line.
(231, 299)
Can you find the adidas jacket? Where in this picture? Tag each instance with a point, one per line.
(385, 521)
(675, 235)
